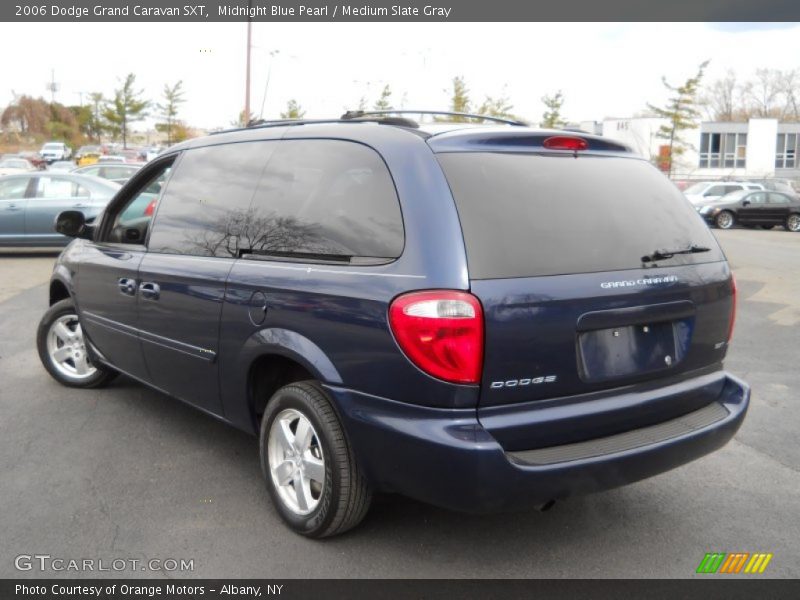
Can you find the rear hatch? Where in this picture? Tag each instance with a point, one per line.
(577, 260)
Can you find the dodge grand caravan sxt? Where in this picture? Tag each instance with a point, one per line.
(479, 317)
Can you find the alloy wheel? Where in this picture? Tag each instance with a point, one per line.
(725, 220)
(66, 348)
(296, 461)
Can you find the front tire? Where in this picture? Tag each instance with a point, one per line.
(724, 220)
(793, 222)
(63, 349)
(308, 464)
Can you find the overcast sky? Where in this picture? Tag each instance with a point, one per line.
(603, 69)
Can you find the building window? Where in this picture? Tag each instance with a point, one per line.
(723, 150)
(786, 151)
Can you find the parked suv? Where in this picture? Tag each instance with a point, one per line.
(53, 151)
(708, 191)
(482, 317)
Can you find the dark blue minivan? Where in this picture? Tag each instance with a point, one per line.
(479, 317)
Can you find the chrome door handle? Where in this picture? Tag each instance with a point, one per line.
(149, 290)
(127, 286)
(13, 207)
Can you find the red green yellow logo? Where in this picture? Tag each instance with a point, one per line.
(734, 563)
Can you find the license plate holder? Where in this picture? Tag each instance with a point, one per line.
(626, 351)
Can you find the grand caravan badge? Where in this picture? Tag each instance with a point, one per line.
(644, 281)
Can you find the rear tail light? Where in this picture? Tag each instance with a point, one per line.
(733, 307)
(148, 212)
(441, 332)
(565, 142)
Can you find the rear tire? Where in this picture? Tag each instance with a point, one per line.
(793, 222)
(63, 349)
(724, 220)
(315, 483)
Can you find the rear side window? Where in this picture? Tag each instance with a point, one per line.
(205, 210)
(526, 215)
(13, 188)
(327, 199)
(56, 187)
(116, 172)
(778, 199)
(718, 190)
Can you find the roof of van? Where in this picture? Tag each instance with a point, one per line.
(440, 136)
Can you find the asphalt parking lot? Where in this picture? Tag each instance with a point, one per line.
(126, 473)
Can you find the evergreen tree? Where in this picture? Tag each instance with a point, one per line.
(293, 110)
(552, 116)
(126, 107)
(96, 125)
(173, 98)
(384, 102)
(497, 107)
(681, 113)
(459, 101)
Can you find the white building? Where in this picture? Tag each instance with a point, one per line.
(759, 148)
(639, 133)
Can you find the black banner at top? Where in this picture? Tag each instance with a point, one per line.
(401, 11)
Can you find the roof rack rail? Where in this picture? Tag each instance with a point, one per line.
(259, 123)
(360, 114)
(273, 122)
(381, 117)
(385, 117)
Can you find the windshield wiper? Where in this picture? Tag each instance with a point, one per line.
(665, 254)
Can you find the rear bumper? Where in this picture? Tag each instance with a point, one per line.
(447, 458)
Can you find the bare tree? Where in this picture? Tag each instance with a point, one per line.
(790, 84)
(256, 232)
(770, 94)
(720, 98)
(764, 93)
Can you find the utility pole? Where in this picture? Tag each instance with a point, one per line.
(52, 86)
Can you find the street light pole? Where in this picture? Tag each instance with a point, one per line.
(266, 86)
(247, 76)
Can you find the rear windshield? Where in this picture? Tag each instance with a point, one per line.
(526, 215)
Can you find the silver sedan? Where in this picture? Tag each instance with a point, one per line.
(29, 205)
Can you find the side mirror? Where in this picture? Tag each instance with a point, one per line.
(746, 203)
(72, 223)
